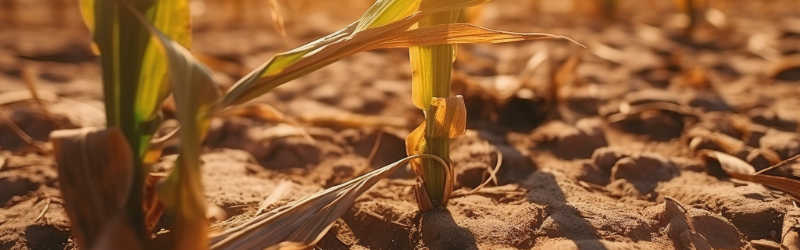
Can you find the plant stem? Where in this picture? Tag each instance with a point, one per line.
(432, 172)
(434, 67)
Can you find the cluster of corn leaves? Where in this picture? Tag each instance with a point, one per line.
(144, 57)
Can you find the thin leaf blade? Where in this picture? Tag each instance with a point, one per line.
(194, 92)
(306, 220)
(172, 19)
(460, 33)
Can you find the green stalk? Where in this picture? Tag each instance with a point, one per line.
(122, 41)
(432, 71)
(134, 82)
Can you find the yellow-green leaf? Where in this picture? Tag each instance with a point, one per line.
(432, 65)
(386, 11)
(308, 58)
(194, 92)
(134, 75)
(134, 71)
(172, 19)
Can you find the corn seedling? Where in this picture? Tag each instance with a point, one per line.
(432, 68)
(144, 57)
(134, 84)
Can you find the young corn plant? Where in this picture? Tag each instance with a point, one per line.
(142, 46)
(432, 68)
(111, 164)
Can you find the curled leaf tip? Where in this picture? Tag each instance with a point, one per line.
(450, 114)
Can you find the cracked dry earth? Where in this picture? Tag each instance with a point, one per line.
(599, 145)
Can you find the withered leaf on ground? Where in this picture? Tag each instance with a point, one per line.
(95, 169)
(790, 168)
(306, 220)
(738, 169)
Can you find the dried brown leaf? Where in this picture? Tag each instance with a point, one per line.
(730, 164)
(459, 33)
(306, 220)
(95, 169)
(450, 116)
(424, 202)
(273, 197)
(790, 168)
(738, 169)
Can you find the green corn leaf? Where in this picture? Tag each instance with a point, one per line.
(134, 70)
(134, 74)
(194, 92)
(172, 19)
(385, 21)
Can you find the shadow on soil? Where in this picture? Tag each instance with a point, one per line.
(439, 231)
(563, 220)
